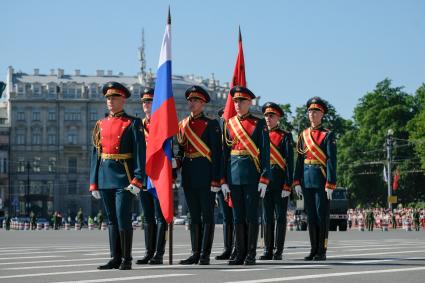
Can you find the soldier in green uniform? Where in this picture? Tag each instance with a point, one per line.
(7, 222)
(200, 152)
(315, 176)
(99, 219)
(117, 171)
(80, 218)
(33, 221)
(370, 220)
(394, 221)
(416, 219)
(246, 172)
(275, 202)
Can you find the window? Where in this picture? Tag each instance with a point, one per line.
(72, 187)
(93, 116)
(52, 89)
(52, 165)
(69, 92)
(36, 116)
(93, 91)
(35, 188)
(51, 139)
(20, 139)
(72, 138)
(20, 116)
(72, 165)
(72, 116)
(21, 188)
(21, 165)
(51, 116)
(36, 164)
(36, 89)
(5, 165)
(50, 187)
(21, 89)
(36, 138)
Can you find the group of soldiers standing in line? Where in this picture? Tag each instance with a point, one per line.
(243, 160)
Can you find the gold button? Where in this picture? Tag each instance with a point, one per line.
(118, 136)
(116, 147)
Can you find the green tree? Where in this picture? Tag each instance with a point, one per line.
(416, 126)
(284, 121)
(361, 152)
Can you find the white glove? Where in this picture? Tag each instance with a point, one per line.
(299, 191)
(215, 189)
(262, 189)
(173, 163)
(225, 189)
(96, 194)
(132, 189)
(329, 193)
(285, 193)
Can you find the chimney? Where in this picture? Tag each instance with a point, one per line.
(36, 72)
(52, 72)
(109, 73)
(77, 72)
(100, 73)
(60, 73)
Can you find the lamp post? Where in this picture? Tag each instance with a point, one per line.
(27, 191)
(389, 144)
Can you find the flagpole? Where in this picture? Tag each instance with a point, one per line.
(170, 250)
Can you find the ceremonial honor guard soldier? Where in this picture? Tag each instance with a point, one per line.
(226, 211)
(315, 171)
(275, 201)
(200, 152)
(154, 224)
(247, 169)
(117, 171)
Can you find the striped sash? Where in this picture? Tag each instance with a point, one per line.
(276, 156)
(195, 140)
(314, 149)
(246, 141)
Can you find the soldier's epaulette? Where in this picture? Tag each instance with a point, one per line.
(133, 117)
(282, 131)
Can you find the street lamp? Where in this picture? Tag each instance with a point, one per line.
(389, 144)
(27, 191)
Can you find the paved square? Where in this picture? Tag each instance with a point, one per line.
(72, 256)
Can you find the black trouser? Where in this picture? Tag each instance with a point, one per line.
(274, 205)
(316, 204)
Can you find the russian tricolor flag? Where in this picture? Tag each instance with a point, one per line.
(164, 125)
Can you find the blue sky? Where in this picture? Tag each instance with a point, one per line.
(293, 49)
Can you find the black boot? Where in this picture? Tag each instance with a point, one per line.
(149, 229)
(312, 231)
(268, 242)
(280, 240)
(207, 241)
(240, 245)
(252, 244)
(160, 244)
(321, 244)
(126, 245)
(114, 247)
(228, 242)
(195, 238)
